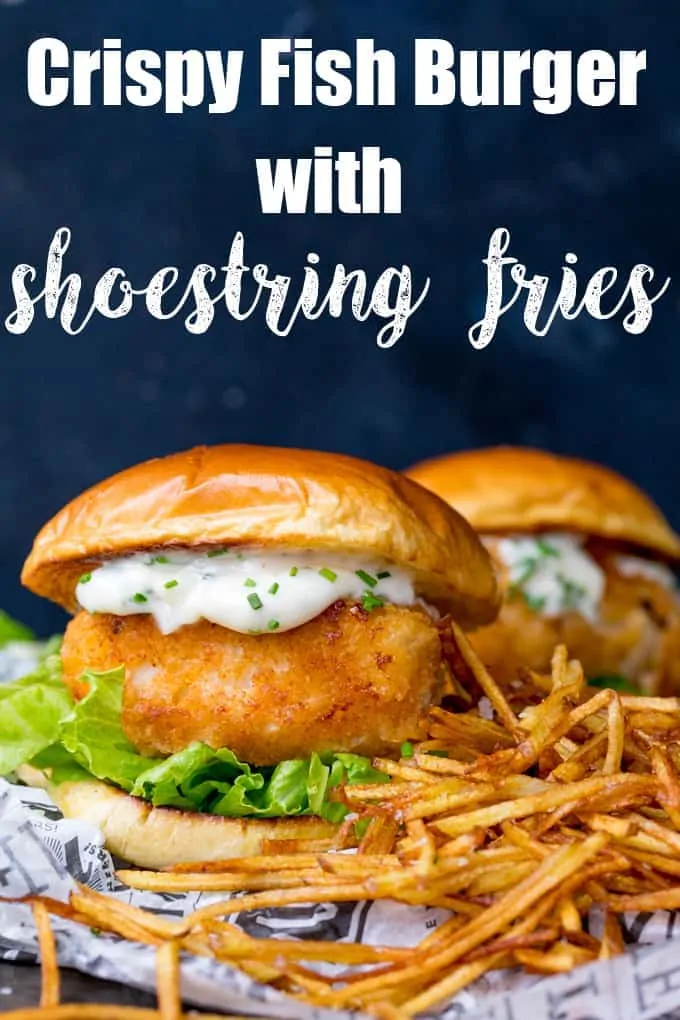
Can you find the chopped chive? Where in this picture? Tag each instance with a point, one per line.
(293, 571)
(545, 548)
(366, 578)
(616, 682)
(383, 574)
(139, 597)
(217, 552)
(255, 601)
(249, 583)
(535, 602)
(572, 592)
(274, 588)
(527, 568)
(85, 578)
(369, 602)
(328, 574)
(160, 559)
(273, 625)
(171, 584)
(407, 746)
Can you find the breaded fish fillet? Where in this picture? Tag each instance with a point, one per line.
(346, 681)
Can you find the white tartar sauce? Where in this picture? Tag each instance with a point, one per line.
(637, 566)
(252, 591)
(553, 573)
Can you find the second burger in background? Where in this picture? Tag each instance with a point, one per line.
(585, 558)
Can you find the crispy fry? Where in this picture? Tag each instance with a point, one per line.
(154, 881)
(353, 865)
(404, 773)
(459, 978)
(49, 966)
(639, 787)
(167, 982)
(570, 919)
(560, 958)
(380, 836)
(616, 727)
(103, 1011)
(486, 682)
(662, 899)
(637, 703)
(661, 833)
(574, 768)
(346, 892)
(83, 1011)
(450, 795)
(239, 945)
(658, 862)
(113, 913)
(306, 846)
(483, 735)
(386, 1011)
(668, 777)
(619, 828)
(519, 837)
(263, 862)
(612, 939)
(510, 943)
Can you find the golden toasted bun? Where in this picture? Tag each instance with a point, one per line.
(150, 837)
(507, 488)
(253, 495)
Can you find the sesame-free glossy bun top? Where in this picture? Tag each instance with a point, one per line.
(505, 488)
(271, 497)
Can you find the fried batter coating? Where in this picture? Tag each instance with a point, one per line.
(637, 635)
(346, 681)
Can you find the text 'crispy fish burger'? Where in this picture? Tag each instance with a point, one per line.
(585, 558)
(251, 625)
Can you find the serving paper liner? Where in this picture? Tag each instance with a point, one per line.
(43, 853)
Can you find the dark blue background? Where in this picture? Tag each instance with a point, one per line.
(142, 190)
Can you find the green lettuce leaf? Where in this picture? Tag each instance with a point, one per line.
(10, 630)
(93, 734)
(86, 738)
(616, 682)
(62, 765)
(31, 713)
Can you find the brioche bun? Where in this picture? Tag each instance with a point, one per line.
(504, 488)
(261, 496)
(153, 837)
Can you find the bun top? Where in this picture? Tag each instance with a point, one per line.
(505, 488)
(262, 496)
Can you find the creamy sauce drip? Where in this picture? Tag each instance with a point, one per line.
(637, 566)
(251, 591)
(553, 572)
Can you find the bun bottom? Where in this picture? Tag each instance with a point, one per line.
(155, 838)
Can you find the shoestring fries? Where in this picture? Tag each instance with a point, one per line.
(167, 971)
(567, 799)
